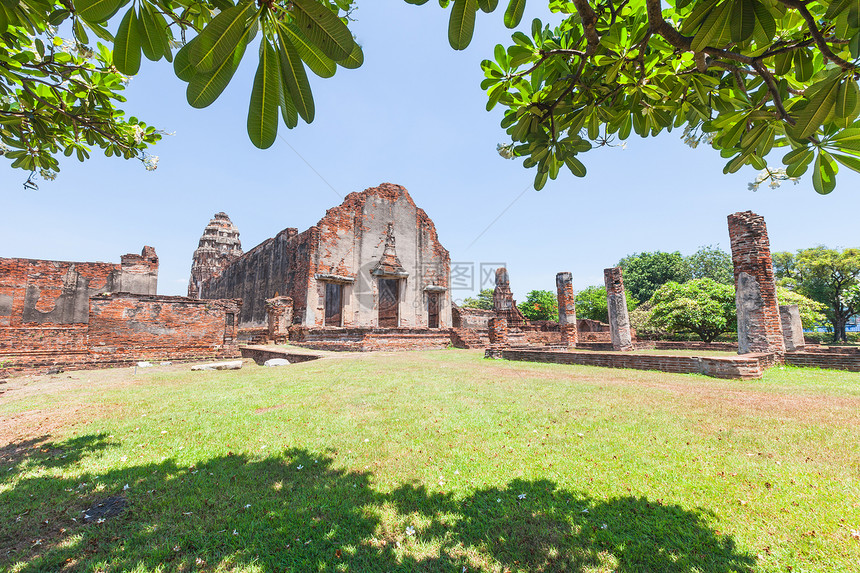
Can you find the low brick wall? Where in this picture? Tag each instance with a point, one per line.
(260, 354)
(833, 360)
(693, 345)
(740, 367)
(369, 339)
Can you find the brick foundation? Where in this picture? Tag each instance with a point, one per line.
(369, 339)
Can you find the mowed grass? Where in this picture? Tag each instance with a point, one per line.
(430, 461)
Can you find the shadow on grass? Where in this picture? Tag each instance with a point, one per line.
(295, 511)
(41, 452)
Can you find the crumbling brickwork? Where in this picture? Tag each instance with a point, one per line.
(218, 247)
(792, 327)
(498, 331)
(503, 300)
(144, 327)
(566, 308)
(759, 326)
(350, 251)
(616, 299)
(280, 314)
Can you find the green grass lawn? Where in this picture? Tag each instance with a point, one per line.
(429, 461)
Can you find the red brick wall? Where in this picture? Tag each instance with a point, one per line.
(751, 255)
(835, 361)
(744, 367)
(161, 327)
(369, 339)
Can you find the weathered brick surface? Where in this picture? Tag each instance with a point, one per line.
(498, 331)
(369, 339)
(566, 308)
(344, 247)
(279, 311)
(759, 326)
(470, 337)
(616, 299)
(504, 304)
(849, 361)
(161, 327)
(471, 317)
(218, 247)
(741, 367)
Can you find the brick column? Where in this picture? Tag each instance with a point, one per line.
(566, 309)
(792, 327)
(759, 325)
(279, 312)
(616, 300)
(498, 337)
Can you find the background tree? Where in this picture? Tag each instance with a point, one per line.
(591, 303)
(811, 312)
(644, 273)
(828, 276)
(540, 305)
(483, 301)
(713, 263)
(702, 306)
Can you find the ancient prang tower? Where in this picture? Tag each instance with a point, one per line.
(759, 325)
(219, 246)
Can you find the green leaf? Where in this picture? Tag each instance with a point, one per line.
(295, 80)
(697, 16)
(324, 29)
(204, 88)
(355, 59)
(803, 68)
(126, 48)
(782, 63)
(817, 109)
(575, 165)
(743, 19)
(824, 174)
(715, 30)
(848, 161)
(98, 10)
(317, 61)
(265, 99)
(288, 108)
(845, 110)
(540, 179)
(182, 66)
(765, 20)
(461, 24)
(488, 6)
(218, 40)
(803, 154)
(150, 35)
(514, 13)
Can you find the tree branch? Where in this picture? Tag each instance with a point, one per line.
(819, 38)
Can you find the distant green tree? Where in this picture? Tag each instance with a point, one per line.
(829, 276)
(702, 306)
(811, 312)
(483, 301)
(591, 303)
(644, 273)
(540, 305)
(711, 262)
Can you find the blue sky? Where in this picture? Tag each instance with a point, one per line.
(414, 115)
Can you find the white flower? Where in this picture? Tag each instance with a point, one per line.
(247, 506)
(235, 532)
(125, 487)
(150, 162)
(410, 530)
(521, 496)
(300, 467)
(139, 132)
(498, 500)
(603, 526)
(506, 150)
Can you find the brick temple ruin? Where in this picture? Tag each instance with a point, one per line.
(370, 274)
(81, 314)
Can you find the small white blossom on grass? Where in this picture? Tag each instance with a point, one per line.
(247, 506)
(855, 534)
(125, 487)
(521, 496)
(410, 530)
(603, 526)
(498, 500)
(100, 520)
(300, 467)
(235, 532)
(580, 434)
(366, 439)
(456, 472)
(584, 510)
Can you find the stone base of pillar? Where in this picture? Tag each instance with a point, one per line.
(494, 352)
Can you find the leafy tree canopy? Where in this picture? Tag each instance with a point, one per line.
(828, 276)
(644, 273)
(811, 312)
(540, 305)
(713, 263)
(702, 306)
(751, 78)
(591, 303)
(483, 301)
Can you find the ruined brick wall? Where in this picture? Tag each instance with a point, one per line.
(498, 331)
(759, 326)
(128, 326)
(566, 308)
(44, 305)
(475, 318)
(279, 266)
(343, 247)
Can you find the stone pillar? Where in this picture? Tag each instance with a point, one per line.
(279, 311)
(759, 325)
(616, 300)
(566, 309)
(792, 327)
(498, 337)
